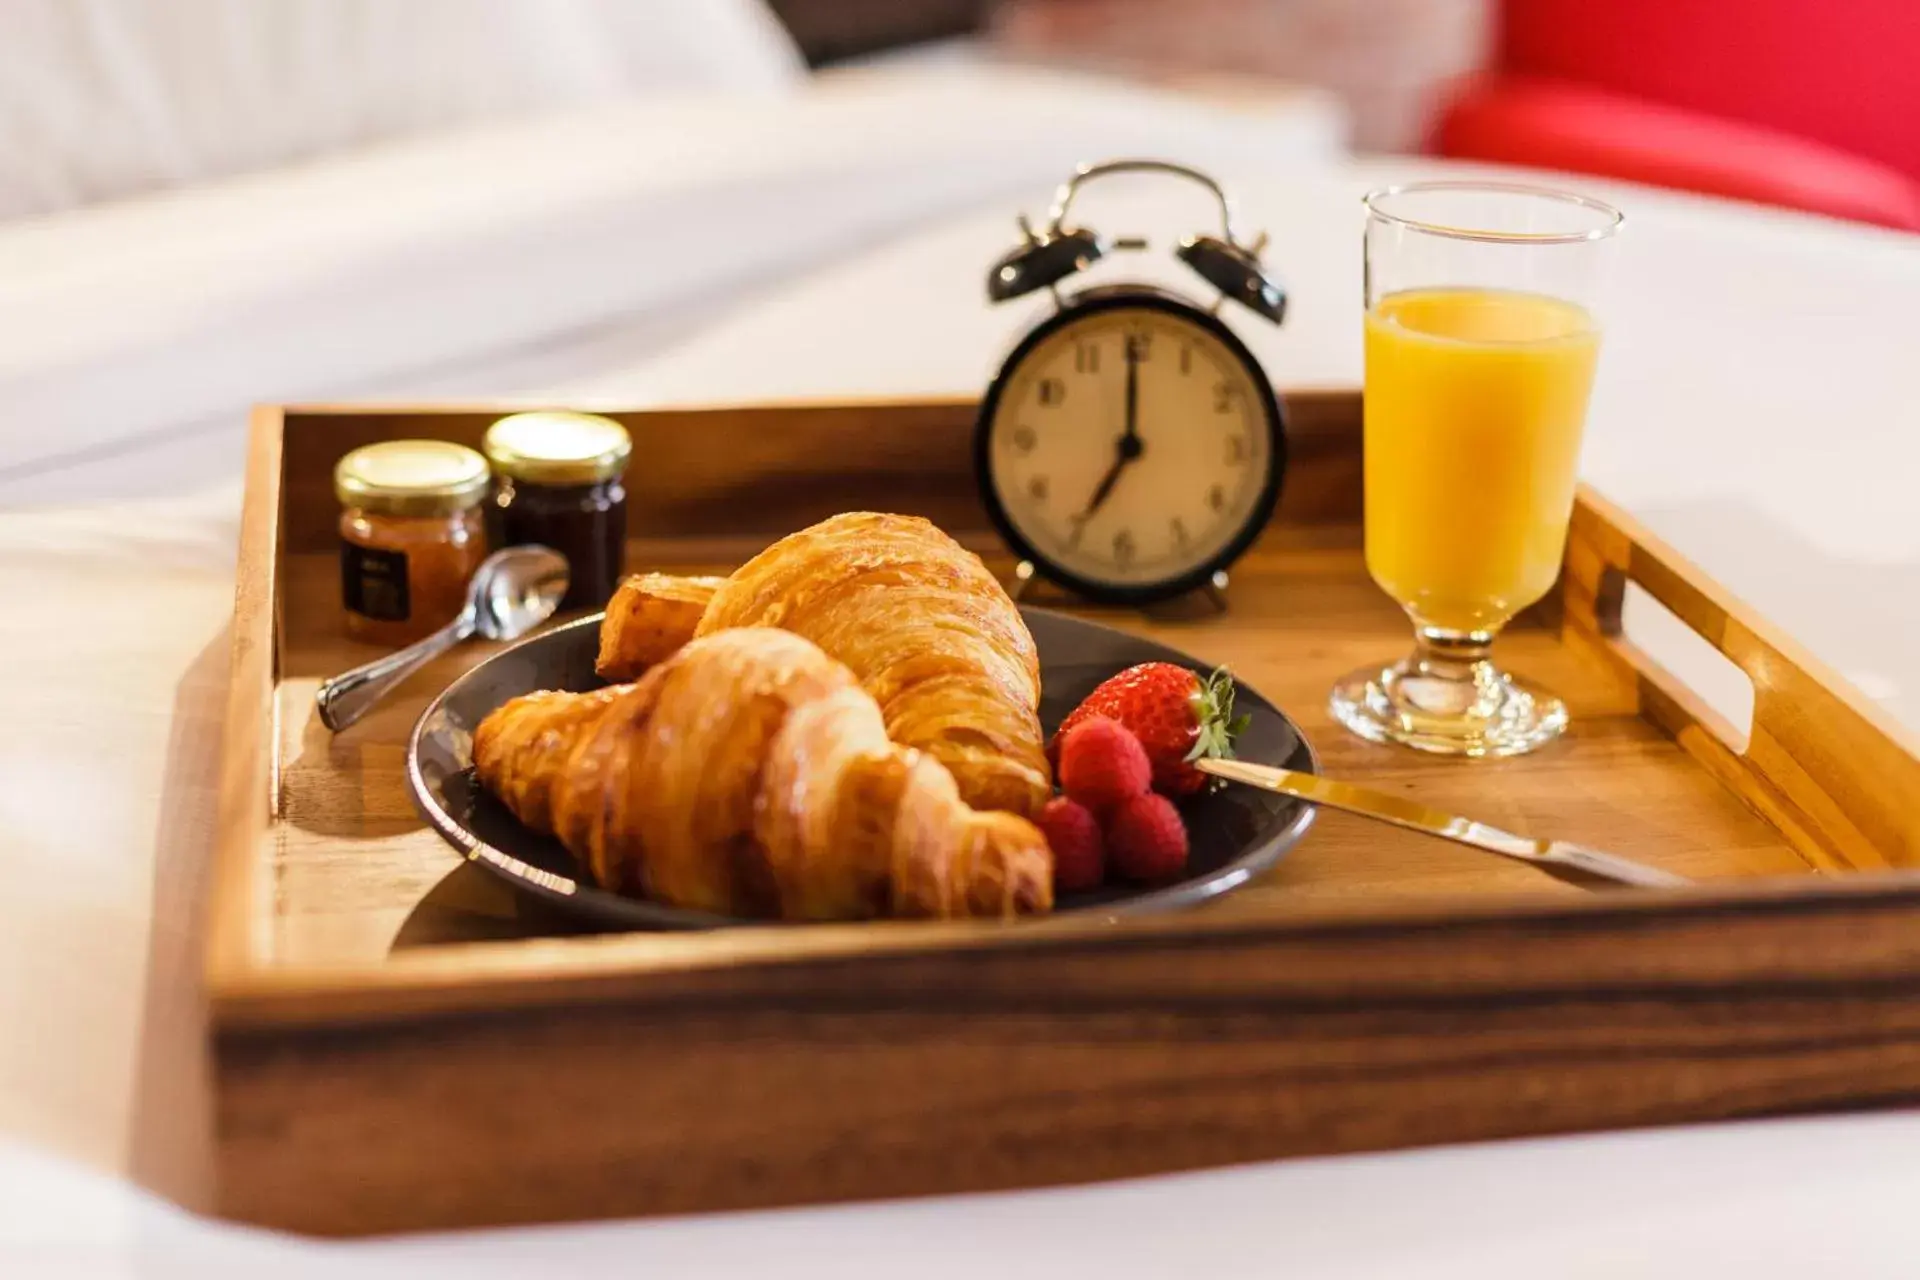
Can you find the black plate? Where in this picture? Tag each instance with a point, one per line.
(1235, 832)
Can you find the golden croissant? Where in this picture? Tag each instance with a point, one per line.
(929, 632)
(748, 774)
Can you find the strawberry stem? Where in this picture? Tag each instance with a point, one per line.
(1215, 724)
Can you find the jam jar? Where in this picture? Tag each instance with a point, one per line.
(557, 482)
(411, 536)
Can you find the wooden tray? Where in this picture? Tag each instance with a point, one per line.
(400, 1042)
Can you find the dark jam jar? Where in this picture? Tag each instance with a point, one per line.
(557, 482)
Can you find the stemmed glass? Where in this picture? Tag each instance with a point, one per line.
(1481, 343)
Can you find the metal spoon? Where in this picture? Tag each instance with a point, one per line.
(1561, 859)
(512, 592)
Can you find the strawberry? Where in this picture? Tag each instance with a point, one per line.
(1177, 716)
(1102, 764)
(1079, 854)
(1146, 839)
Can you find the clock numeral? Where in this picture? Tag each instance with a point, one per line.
(1038, 488)
(1024, 439)
(1139, 347)
(1051, 391)
(1236, 451)
(1217, 498)
(1223, 396)
(1179, 528)
(1123, 548)
(1186, 359)
(1086, 358)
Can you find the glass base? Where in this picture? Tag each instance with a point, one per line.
(1450, 708)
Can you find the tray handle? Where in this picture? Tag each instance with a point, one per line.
(1822, 764)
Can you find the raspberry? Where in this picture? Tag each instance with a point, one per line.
(1102, 764)
(1079, 855)
(1146, 839)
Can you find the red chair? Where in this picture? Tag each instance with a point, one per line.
(1807, 104)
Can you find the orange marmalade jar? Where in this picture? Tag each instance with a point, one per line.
(410, 536)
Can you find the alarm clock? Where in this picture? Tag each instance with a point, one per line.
(1130, 447)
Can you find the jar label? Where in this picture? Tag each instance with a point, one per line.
(373, 583)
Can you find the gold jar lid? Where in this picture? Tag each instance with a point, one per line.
(411, 478)
(555, 447)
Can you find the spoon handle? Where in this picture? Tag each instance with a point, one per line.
(351, 694)
(1561, 859)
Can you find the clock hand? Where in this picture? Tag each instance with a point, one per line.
(1130, 442)
(1127, 449)
(1105, 486)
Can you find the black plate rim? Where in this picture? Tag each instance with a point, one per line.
(605, 907)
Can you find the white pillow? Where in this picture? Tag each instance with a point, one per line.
(105, 98)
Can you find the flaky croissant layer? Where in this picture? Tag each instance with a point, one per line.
(748, 774)
(929, 632)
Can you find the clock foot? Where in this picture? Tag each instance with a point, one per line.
(1022, 579)
(1216, 588)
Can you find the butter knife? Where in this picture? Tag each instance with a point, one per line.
(1560, 858)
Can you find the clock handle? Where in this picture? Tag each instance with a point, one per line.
(1063, 198)
(1044, 258)
(1222, 261)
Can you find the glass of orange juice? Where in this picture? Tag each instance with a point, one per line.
(1481, 342)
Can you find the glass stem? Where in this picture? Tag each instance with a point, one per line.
(1442, 654)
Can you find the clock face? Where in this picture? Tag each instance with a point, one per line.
(1131, 447)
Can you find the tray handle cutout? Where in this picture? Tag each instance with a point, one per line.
(1715, 689)
(1814, 757)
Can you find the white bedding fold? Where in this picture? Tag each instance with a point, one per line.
(123, 321)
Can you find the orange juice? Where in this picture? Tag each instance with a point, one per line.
(1475, 400)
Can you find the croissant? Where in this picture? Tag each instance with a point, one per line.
(648, 618)
(748, 774)
(929, 632)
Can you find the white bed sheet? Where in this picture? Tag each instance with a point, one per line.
(423, 263)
